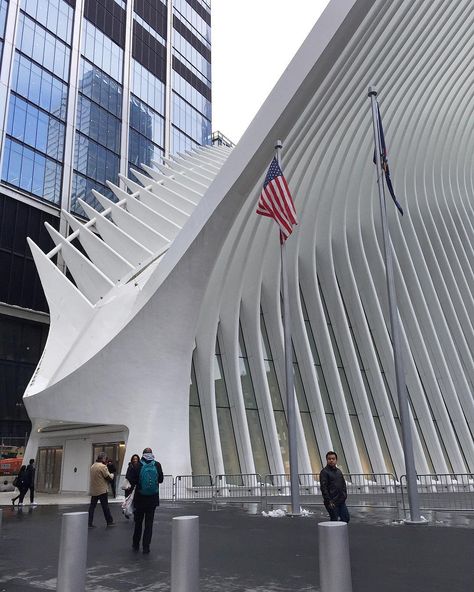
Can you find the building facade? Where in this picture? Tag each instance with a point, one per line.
(168, 332)
(90, 90)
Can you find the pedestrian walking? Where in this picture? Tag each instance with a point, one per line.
(333, 489)
(113, 471)
(132, 465)
(99, 486)
(145, 479)
(30, 480)
(20, 483)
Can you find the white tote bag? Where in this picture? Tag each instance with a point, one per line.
(127, 505)
(126, 484)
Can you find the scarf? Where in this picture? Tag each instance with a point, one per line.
(148, 456)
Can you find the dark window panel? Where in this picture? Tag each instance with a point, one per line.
(191, 38)
(193, 80)
(21, 345)
(107, 16)
(202, 12)
(153, 13)
(7, 221)
(149, 52)
(19, 281)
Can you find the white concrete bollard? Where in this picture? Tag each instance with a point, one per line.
(185, 554)
(73, 553)
(334, 559)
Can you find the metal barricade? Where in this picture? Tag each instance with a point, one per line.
(193, 488)
(451, 492)
(310, 492)
(277, 489)
(167, 488)
(436, 491)
(365, 489)
(239, 488)
(372, 489)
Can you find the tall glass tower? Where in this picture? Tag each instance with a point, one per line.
(89, 90)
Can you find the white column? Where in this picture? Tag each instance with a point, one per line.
(68, 160)
(169, 85)
(127, 84)
(8, 56)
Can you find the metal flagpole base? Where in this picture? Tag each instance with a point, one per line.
(410, 521)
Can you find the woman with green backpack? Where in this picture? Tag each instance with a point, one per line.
(145, 479)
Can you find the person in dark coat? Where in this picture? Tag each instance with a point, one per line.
(113, 471)
(145, 479)
(30, 480)
(21, 484)
(132, 465)
(333, 489)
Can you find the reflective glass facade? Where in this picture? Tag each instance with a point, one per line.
(275, 395)
(257, 439)
(3, 16)
(162, 116)
(33, 147)
(89, 99)
(191, 83)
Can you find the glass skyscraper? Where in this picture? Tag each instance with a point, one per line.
(89, 90)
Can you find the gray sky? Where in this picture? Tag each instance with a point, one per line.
(252, 43)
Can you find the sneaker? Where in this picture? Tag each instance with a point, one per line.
(146, 551)
(136, 547)
(111, 524)
(21, 504)
(91, 526)
(33, 505)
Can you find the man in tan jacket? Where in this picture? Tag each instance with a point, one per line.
(100, 478)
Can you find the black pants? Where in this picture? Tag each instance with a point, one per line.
(338, 512)
(32, 494)
(104, 502)
(148, 515)
(21, 495)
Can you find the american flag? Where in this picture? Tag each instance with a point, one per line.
(276, 201)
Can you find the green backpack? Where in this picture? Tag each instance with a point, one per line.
(148, 483)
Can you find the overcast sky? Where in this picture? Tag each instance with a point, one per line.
(252, 43)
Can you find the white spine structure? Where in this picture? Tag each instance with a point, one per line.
(181, 280)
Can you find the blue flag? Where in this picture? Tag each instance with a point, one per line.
(384, 162)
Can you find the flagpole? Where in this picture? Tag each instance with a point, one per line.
(395, 326)
(290, 390)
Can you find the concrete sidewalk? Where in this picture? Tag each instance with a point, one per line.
(241, 551)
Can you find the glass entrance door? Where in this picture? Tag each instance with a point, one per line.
(114, 450)
(48, 472)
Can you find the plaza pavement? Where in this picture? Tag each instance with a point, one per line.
(240, 550)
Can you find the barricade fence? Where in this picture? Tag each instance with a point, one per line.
(436, 491)
(442, 491)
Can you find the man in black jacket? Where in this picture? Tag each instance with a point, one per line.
(333, 489)
(144, 480)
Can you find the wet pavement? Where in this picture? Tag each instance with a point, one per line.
(242, 551)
